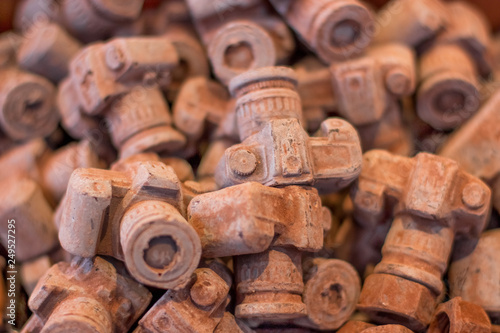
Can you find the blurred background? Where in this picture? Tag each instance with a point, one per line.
(7, 11)
(491, 8)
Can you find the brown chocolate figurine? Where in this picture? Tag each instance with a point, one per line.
(451, 66)
(172, 20)
(331, 292)
(315, 90)
(23, 202)
(269, 286)
(193, 61)
(363, 86)
(47, 50)
(135, 216)
(31, 13)
(449, 91)
(473, 274)
(103, 72)
(411, 22)
(240, 35)
(92, 20)
(88, 295)
(457, 316)
(27, 105)
(275, 149)
(281, 219)
(140, 121)
(268, 247)
(431, 201)
(198, 307)
(365, 91)
(334, 29)
(255, 241)
(270, 166)
(121, 82)
(203, 108)
(476, 146)
(50, 169)
(33, 270)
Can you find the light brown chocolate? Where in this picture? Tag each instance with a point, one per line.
(193, 61)
(102, 72)
(473, 273)
(211, 157)
(364, 86)
(315, 91)
(315, 87)
(73, 118)
(366, 92)
(181, 167)
(411, 22)
(431, 200)
(47, 50)
(135, 216)
(33, 270)
(275, 149)
(56, 168)
(88, 295)
(256, 216)
(167, 15)
(331, 293)
(81, 126)
(33, 325)
(201, 109)
(23, 159)
(269, 286)
(457, 316)
(26, 105)
(240, 36)
(120, 83)
(476, 146)
(22, 201)
(265, 260)
(191, 188)
(50, 169)
(140, 121)
(92, 20)
(469, 28)
(449, 90)
(334, 29)
(31, 13)
(198, 307)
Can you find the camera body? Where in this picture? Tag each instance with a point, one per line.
(364, 87)
(86, 295)
(136, 216)
(198, 307)
(432, 202)
(102, 72)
